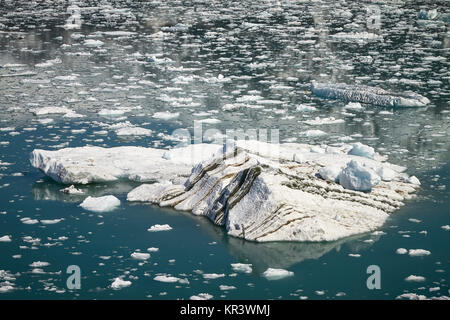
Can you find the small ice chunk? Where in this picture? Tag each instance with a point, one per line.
(109, 112)
(242, 267)
(39, 264)
(226, 288)
(166, 115)
(159, 227)
(211, 276)
(5, 239)
(202, 296)
(418, 252)
(92, 43)
(153, 249)
(401, 251)
(119, 284)
(27, 220)
(357, 177)
(414, 278)
(446, 227)
(411, 296)
(353, 106)
(362, 150)
(140, 256)
(276, 274)
(167, 279)
(51, 221)
(134, 131)
(100, 204)
(313, 133)
(71, 190)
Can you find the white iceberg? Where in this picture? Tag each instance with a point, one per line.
(256, 190)
(100, 204)
(370, 95)
(277, 274)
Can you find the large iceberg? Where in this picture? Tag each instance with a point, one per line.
(257, 191)
(366, 94)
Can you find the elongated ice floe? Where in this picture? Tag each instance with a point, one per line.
(366, 94)
(257, 191)
(95, 164)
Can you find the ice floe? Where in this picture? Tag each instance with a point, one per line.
(159, 227)
(95, 164)
(140, 256)
(366, 94)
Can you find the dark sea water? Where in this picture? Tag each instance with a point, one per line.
(197, 60)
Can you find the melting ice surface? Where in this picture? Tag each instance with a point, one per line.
(132, 73)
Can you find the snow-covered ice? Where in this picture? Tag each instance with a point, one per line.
(277, 274)
(160, 227)
(100, 204)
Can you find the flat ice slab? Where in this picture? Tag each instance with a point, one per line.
(257, 191)
(365, 94)
(95, 164)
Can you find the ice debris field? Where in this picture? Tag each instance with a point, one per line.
(123, 107)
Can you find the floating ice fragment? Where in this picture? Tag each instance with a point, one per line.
(201, 296)
(401, 251)
(51, 221)
(418, 252)
(414, 278)
(276, 274)
(370, 95)
(140, 256)
(118, 283)
(6, 238)
(100, 204)
(242, 267)
(92, 43)
(159, 227)
(211, 276)
(71, 190)
(166, 115)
